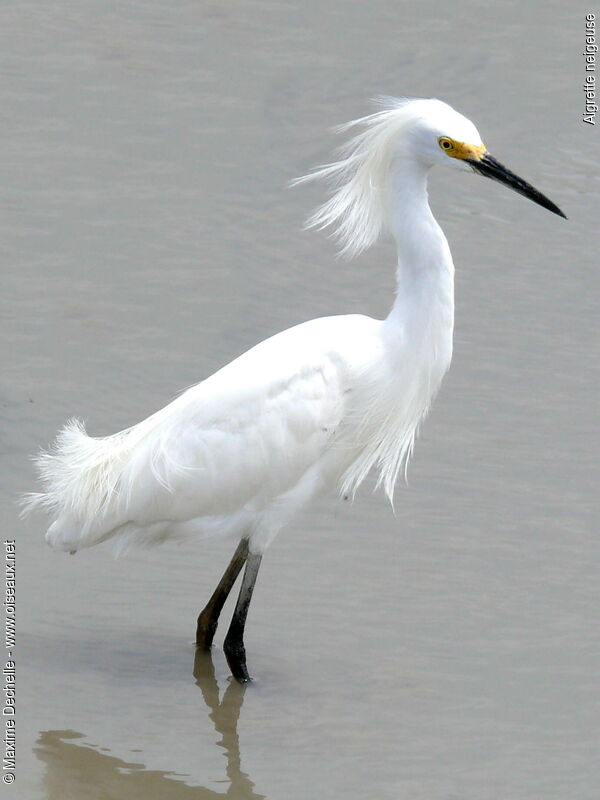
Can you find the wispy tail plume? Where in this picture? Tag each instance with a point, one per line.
(80, 475)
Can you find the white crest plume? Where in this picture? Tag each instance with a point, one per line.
(357, 210)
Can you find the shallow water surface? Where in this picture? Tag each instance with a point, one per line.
(447, 652)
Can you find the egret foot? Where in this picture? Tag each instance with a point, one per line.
(235, 653)
(234, 641)
(205, 630)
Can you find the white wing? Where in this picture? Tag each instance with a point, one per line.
(238, 440)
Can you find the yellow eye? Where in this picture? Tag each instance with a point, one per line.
(445, 143)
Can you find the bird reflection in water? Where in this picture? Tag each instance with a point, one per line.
(76, 771)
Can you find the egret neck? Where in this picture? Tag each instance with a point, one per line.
(424, 306)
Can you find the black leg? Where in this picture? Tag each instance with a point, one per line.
(209, 616)
(234, 641)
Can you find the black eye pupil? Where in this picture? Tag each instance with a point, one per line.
(446, 145)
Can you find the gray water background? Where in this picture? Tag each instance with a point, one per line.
(449, 652)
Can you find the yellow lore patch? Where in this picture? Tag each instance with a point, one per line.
(462, 150)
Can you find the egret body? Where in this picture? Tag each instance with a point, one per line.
(314, 408)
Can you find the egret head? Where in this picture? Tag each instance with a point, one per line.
(440, 135)
(403, 135)
(437, 134)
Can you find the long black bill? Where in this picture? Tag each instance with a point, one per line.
(491, 168)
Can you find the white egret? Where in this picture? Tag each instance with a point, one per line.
(311, 409)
